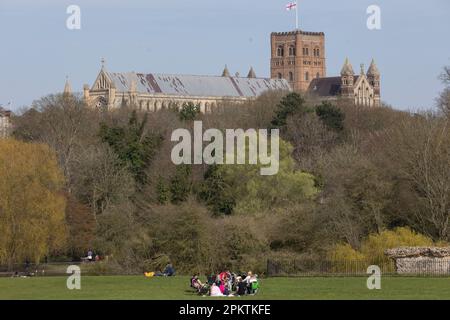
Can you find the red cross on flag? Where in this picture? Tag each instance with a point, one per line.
(291, 6)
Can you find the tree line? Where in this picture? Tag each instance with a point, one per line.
(91, 179)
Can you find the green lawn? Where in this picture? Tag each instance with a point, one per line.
(139, 287)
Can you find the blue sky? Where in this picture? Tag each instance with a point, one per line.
(37, 51)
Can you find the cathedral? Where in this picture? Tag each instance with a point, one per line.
(151, 92)
(299, 57)
(298, 63)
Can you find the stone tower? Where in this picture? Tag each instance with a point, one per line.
(298, 56)
(347, 79)
(373, 75)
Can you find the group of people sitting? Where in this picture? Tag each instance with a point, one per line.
(226, 284)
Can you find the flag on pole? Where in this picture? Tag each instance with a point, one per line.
(291, 6)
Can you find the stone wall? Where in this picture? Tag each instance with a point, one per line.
(421, 260)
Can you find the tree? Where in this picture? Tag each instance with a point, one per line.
(291, 104)
(216, 193)
(162, 191)
(133, 145)
(180, 184)
(64, 123)
(355, 194)
(81, 224)
(443, 101)
(31, 203)
(101, 180)
(331, 116)
(254, 192)
(419, 150)
(189, 111)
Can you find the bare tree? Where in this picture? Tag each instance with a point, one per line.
(421, 149)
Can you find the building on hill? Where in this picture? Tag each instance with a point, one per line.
(362, 89)
(299, 57)
(298, 62)
(151, 92)
(5, 123)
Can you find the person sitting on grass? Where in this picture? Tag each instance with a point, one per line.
(254, 285)
(169, 271)
(241, 287)
(249, 280)
(215, 291)
(196, 283)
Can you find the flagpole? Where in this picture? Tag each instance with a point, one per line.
(296, 15)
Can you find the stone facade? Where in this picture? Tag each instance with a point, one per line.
(298, 56)
(298, 62)
(5, 123)
(363, 89)
(421, 260)
(151, 92)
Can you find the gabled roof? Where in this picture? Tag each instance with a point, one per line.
(191, 85)
(327, 87)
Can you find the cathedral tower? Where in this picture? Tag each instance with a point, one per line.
(298, 56)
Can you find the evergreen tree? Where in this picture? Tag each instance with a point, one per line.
(331, 116)
(180, 184)
(189, 111)
(291, 104)
(134, 147)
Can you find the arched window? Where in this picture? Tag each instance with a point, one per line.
(316, 52)
(280, 51)
(292, 50)
(306, 51)
(280, 76)
(307, 76)
(291, 76)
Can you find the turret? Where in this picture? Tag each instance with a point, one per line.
(373, 75)
(67, 88)
(225, 72)
(86, 93)
(251, 73)
(347, 78)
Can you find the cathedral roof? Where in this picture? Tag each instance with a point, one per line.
(326, 87)
(347, 69)
(373, 69)
(192, 85)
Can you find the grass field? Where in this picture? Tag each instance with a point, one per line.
(137, 287)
